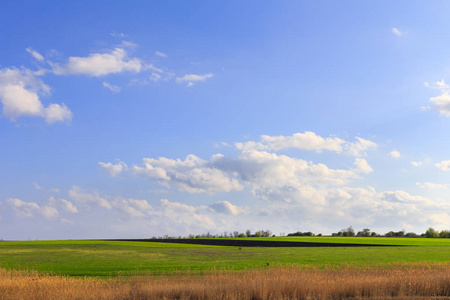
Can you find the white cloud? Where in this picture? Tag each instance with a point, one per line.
(49, 212)
(360, 147)
(309, 141)
(64, 204)
(134, 207)
(118, 34)
(127, 44)
(99, 64)
(306, 141)
(161, 54)
(21, 208)
(300, 192)
(19, 91)
(35, 54)
(362, 166)
(192, 78)
(416, 163)
(112, 88)
(57, 113)
(397, 32)
(155, 77)
(37, 187)
(30, 209)
(193, 175)
(395, 154)
(431, 186)
(68, 206)
(184, 215)
(257, 169)
(226, 208)
(80, 196)
(443, 165)
(113, 169)
(441, 103)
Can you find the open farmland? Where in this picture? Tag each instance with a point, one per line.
(111, 258)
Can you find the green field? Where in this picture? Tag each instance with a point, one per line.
(110, 258)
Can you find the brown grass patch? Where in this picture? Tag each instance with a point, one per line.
(400, 281)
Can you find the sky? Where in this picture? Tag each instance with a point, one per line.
(150, 118)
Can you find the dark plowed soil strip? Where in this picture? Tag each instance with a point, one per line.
(249, 243)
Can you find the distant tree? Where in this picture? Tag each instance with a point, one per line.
(298, 233)
(319, 234)
(347, 232)
(258, 234)
(235, 233)
(373, 233)
(248, 233)
(410, 234)
(444, 234)
(366, 232)
(265, 233)
(241, 235)
(389, 234)
(431, 233)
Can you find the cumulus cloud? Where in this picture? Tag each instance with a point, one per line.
(397, 32)
(186, 215)
(113, 169)
(19, 94)
(431, 186)
(21, 208)
(360, 147)
(226, 208)
(57, 113)
(309, 141)
(441, 103)
(292, 189)
(99, 64)
(395, 154)
(362, 166)
(193, 174)
(416, 163)
(255, 167)
(306, 141)
(193, 78)
(260, 171)
(78, 195)
(30, 209)
(443, 165)
(134, 207)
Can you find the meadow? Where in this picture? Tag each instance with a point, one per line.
(101, 269)
(112, 258)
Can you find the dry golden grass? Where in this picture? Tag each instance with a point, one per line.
(400, 281)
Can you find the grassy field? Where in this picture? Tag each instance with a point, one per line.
(111, 258)
(364, 240)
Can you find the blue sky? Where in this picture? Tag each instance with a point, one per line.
(150, 118)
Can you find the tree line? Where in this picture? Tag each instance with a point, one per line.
(348, 232)
(430, 233)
